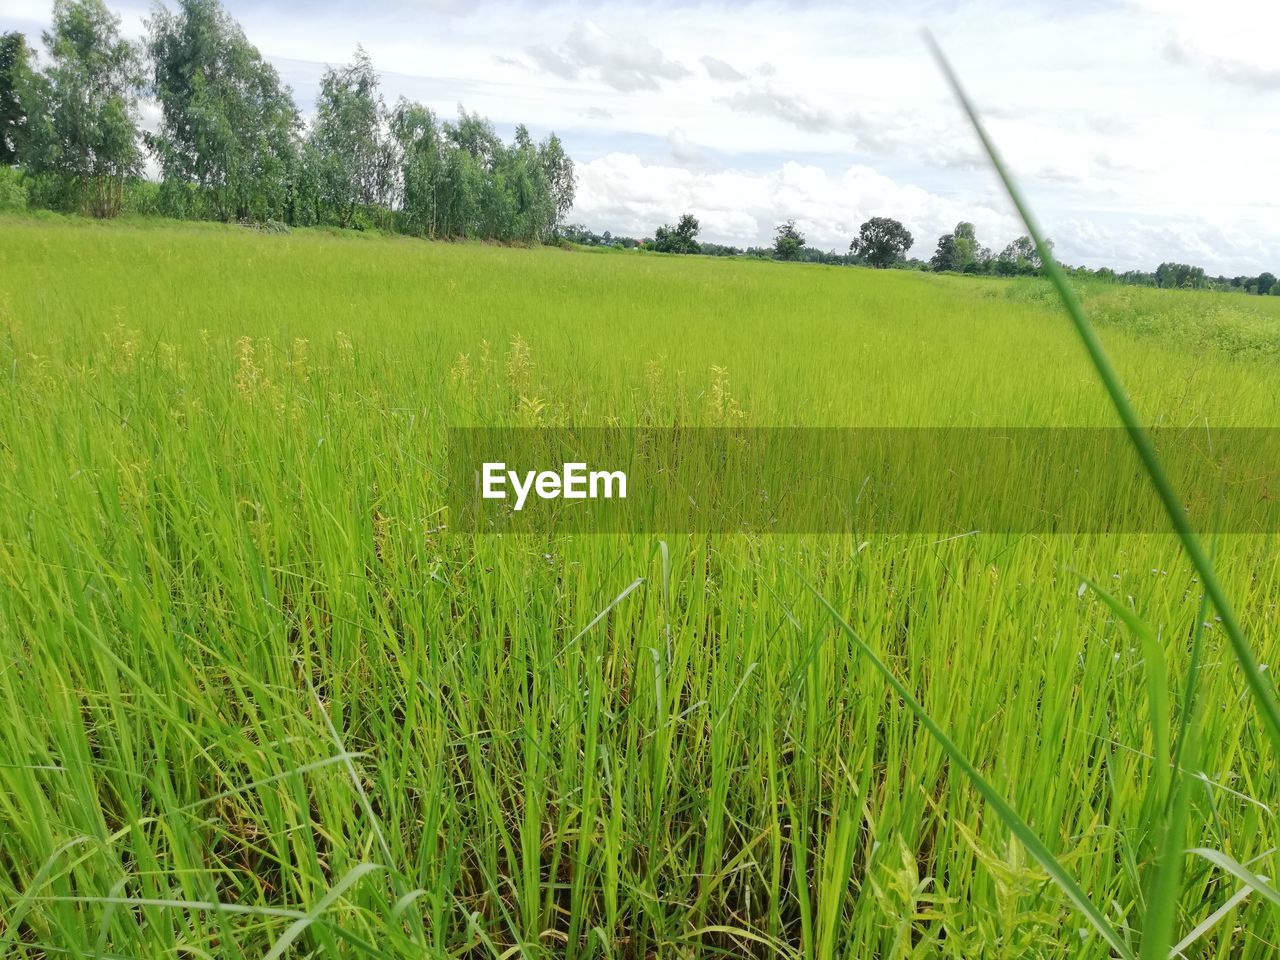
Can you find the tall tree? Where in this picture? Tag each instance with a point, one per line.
(349, 142)
(957, 249)
(881, 242)
(966, 244)
(81, 110)
(1021, 256)
(14, 64)
(788, 241)
(228, 125)
(418, 147)
(524, 178)
(946, 256)
(561, 179)
(1181, 275)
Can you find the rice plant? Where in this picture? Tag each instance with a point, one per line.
(258, 698)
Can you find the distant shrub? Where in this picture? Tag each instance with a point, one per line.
(13, 192)
(184, 201)
(143, 198)
(268, 226)
(1031, 290)
(51, 192)
(1240, 327)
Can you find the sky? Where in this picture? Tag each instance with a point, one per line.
(1141, 130)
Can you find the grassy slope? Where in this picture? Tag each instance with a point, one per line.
(216, 452)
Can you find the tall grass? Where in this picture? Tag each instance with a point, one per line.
(257, 698)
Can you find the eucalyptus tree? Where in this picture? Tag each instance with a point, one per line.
(228, 125)
(460, 193)
(561, 178)
(416, 134)
(350, 143)
(458, 179)
(524, 177)
(14, 65)
(81, 109)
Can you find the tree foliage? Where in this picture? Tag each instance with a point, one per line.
(1020, 257)
(231, 145)
(881, 242)
(1180, 275)
(81, 109)
(946, 257)
(416, 136)
(349, 147)
(682, 238)
(228, 125)
(788, 241)
(14, 65)
(957, 250)
(458, 179)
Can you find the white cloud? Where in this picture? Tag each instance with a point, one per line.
(625, 63)
(1231, 40)
(1130, 155)
(720, 70)
(1233, 69)
(622, 193)
(789, 108)
(685, 152)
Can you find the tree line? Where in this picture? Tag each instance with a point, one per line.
(883, 242)
(231, 144)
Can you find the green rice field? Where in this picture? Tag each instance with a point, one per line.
(257, 699)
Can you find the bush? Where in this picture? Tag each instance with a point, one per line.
(143, 198)
(13, 192)
(274, 227)
(52, 192)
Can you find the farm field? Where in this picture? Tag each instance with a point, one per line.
(256, 699)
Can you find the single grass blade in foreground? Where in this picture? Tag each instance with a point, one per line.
(1019, 827)
(1263, 695)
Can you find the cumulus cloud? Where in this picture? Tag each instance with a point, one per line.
(1263, 78)
(553, 62)
(1127, 240)
(789, 108)
(1231, 40)
(687, 153)
(623, 193)
(720, 70)
(930, 141)
(1077, 102)
(626, 63)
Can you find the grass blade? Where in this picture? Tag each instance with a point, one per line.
(1261, 690)
(1019, 827)
(1210, 921)
(296, 928)
(1162, 897)
(1253, 881)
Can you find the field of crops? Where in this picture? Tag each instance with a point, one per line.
(255, 698)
